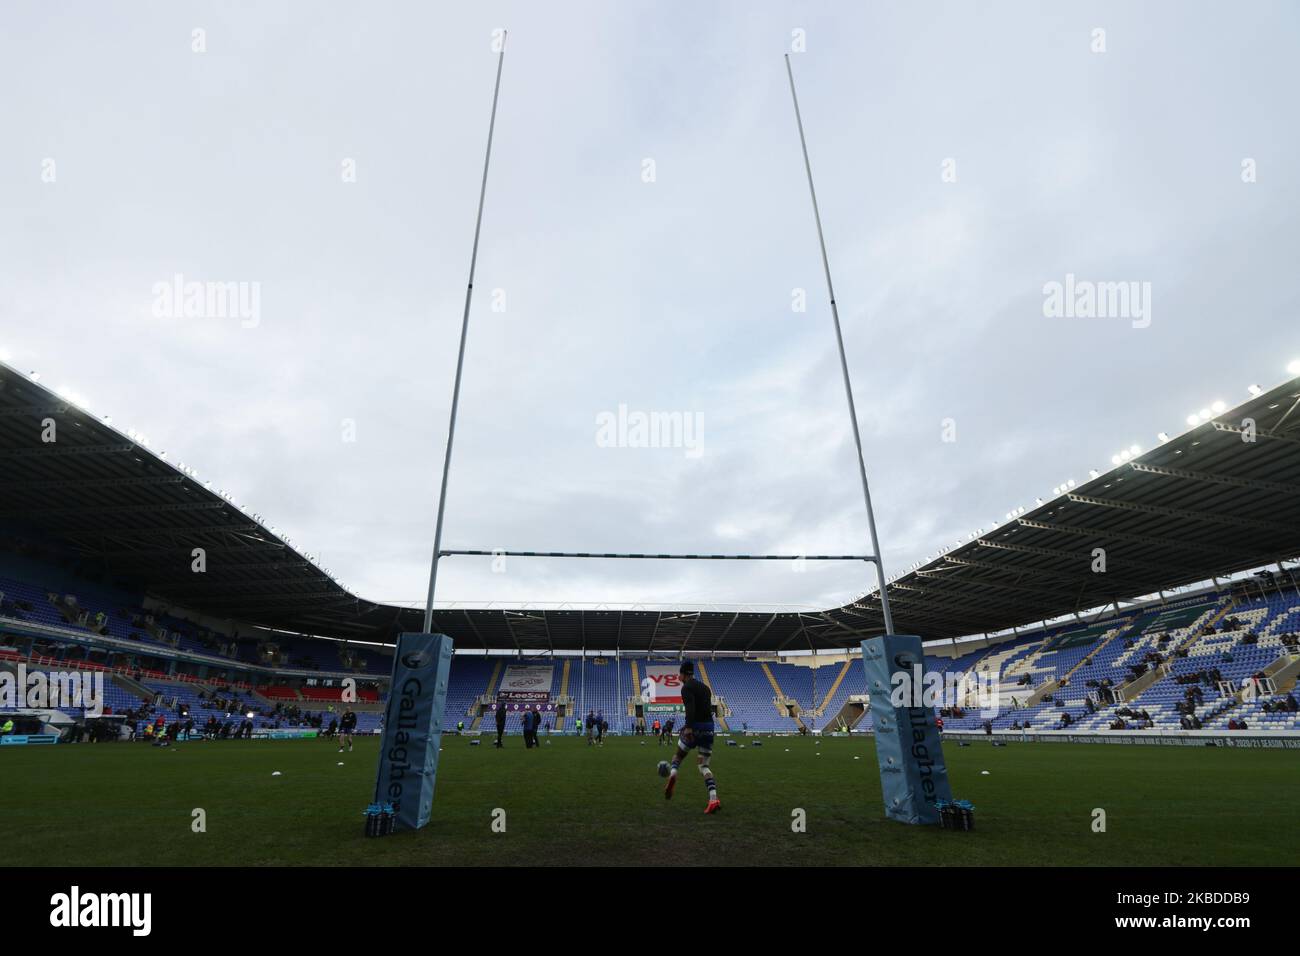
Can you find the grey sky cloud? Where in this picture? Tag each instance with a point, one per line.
(673, 296)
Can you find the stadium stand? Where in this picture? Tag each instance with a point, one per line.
(1216, 660)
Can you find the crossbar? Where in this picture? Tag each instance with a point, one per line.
(671, 557)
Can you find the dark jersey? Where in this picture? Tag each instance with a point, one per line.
(697, 699)
(349, 721)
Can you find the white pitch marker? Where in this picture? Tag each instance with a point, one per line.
(275, 773)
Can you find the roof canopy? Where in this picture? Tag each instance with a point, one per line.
(1218, 499)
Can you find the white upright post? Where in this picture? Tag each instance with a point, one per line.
(460, 357)
(844, 365)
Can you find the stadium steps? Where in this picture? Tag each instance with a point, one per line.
(131, 687)
(492, 681)
(1092, 654)
(1042, 692)
(850, 715)
(771, 679)
(636, 686)
(477, 723)
(1049, 688)
(1031, 658)
(830, 694)
(1283, 671)
(1130, 691)
(704, 676)
(1026, 664)
(1286, 677)
(1199, 632)
(780, 702)
(981, 659)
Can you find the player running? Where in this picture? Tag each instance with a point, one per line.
(697, 734)
(346, 727)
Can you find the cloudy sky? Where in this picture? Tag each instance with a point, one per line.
(329, 155)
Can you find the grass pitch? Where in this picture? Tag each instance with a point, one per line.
(567, 803)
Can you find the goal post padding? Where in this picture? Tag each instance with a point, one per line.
(417, 698)
(913, 775)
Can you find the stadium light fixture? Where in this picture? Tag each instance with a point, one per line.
(1093, 472)
(34, 376)
(1205, 414)
(1163, 436)
(1294, 366)
(1219, 408)
(1193, 419)
(1135, 450)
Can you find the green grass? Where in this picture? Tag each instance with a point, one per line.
(566, 803)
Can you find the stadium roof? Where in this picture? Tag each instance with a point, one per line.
(1203, 504)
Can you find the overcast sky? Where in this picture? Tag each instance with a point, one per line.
(130, 157)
